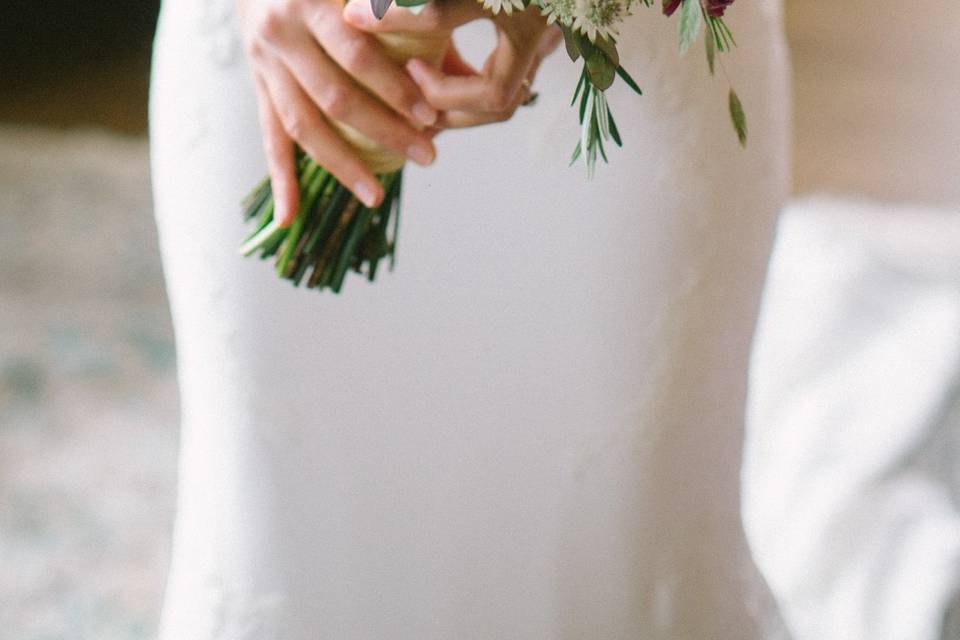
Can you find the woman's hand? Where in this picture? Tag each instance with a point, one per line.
(310, 65)
(467, 97)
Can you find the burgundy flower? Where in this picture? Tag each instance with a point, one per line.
(669, 6)
(714, 8)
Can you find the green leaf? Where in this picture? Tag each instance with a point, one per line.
(580, 85)
(587, 90)
(411, 3)
(586, 126)
(600, 112)
(711, 50)
(738, 117)
(728, 34)
(576, 153)
(630, 81)
(614, 133)
(600, 69)
(609, 49)
(691, 19)
(571, 43)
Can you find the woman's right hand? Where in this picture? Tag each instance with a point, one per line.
(310, 66)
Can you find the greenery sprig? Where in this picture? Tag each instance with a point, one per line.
(718, 39)
(601, 66)
(333, 233)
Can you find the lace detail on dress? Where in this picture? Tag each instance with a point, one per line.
(237, 614)
(219, 31)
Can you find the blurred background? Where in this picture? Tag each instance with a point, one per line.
(853, 474)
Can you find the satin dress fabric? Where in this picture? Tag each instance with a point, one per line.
(532, 428)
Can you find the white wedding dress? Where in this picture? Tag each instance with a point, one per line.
(532, 428)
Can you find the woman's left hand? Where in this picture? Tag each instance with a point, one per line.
(464, 96)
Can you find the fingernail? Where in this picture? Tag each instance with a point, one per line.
(353, 12)
(426, 114)
(420, 153)
(367, 193)
(415, 68)
(280, 209)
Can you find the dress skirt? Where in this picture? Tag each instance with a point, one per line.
(532, 428)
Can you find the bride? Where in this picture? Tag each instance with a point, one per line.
(530, 429)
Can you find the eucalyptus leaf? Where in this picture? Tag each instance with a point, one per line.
(691, 20)
(571, 43)
(738, 117)
(609, 49)
(380, 7)
(411, 3)
(600, 69)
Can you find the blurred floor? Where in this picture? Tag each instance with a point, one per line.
(88, 397)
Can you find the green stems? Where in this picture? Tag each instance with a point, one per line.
(332, 234)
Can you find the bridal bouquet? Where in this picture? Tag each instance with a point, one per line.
(334, 233)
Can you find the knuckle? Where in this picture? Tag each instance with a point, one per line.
(322, 23)
(296, 125)
(272, 24)
(273, 147)
(402, 99)
(357, 55)
(336, 101)
(498, 98)
(255, 48)
(295, 6)
(432, 17)
(401, 137)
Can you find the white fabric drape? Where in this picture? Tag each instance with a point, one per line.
(533, 427)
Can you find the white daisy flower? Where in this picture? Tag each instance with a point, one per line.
(507, 6)
(603, 17)
(562, 11)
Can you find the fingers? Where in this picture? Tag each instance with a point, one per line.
(551, 39)
(454, 65)
(457, 119)
(341, 99)
(365, 59)
(446, 15)
(280, 160)
(495, 90)
(303, 122)
(308, 89)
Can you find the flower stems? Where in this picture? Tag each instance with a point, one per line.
(332, 234)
